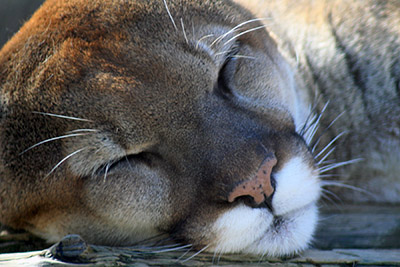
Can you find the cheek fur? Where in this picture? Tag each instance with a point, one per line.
(297, 186)
(239, 227)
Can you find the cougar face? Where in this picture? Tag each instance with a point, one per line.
(121, 120)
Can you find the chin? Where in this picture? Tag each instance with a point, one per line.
(284, 230)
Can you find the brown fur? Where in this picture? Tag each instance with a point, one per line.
(165, 125)
(190, 143)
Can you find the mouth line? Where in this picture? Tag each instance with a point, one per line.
(295, 211)
(279, 220)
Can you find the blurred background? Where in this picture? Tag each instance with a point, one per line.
(13, 14)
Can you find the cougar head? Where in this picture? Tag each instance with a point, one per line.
(121, 120)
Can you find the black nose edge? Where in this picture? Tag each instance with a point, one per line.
(258, 191)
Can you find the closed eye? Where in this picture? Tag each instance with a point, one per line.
(225, 84)
(146, 158)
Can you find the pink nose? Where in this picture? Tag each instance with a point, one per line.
(259, 187)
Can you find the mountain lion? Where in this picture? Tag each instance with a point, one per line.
(122, 120)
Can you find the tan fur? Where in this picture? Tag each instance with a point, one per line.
(346, 52)
(143, 90)
(162, 126)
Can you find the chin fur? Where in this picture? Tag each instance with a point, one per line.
(285, 231)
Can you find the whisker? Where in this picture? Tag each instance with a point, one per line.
(329, 217)
(328, 192)
(98, 150)
(265, 149)
(351, 187)
(64, 159)
(296, 52)
(106, 171)
(325, 130)
(326, 155)
(184, 33)
(311, 130)
(193, 31)
(61, 116)
(234, 29)
(335, 119)
(308, 119)
(173, 249)
(229, 53)
(330, 175)
(184, 254)
(326, 162)
(262, 257)
(223, 52)
(308, 123)
(329, 144)
(336, 165)
(167, 246)
(243, 56)
(213, 258)
(52, 139)
(169, 14)
(129, 164)
(327, 200)
(201, 39)
(83, 130)
(195, 254)
(244, 32)
(341, 184)
(315, 118)
(219, 257)
(315, 125)
(234, 56)
(51, 76)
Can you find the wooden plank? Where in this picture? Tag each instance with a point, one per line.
(112, 256)
(349, 235)
(359, 226)
(381, 257)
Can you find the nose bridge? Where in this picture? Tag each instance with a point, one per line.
(243, 158)
(226, 149)
(239, 165)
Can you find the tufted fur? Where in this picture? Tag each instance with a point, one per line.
(122, 120)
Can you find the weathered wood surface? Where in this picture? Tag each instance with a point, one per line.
(351, 235)
(359, 226)
(107, 256)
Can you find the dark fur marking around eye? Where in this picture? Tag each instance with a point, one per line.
(146, 158)
(225, 83)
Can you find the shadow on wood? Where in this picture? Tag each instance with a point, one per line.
(363, 233)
